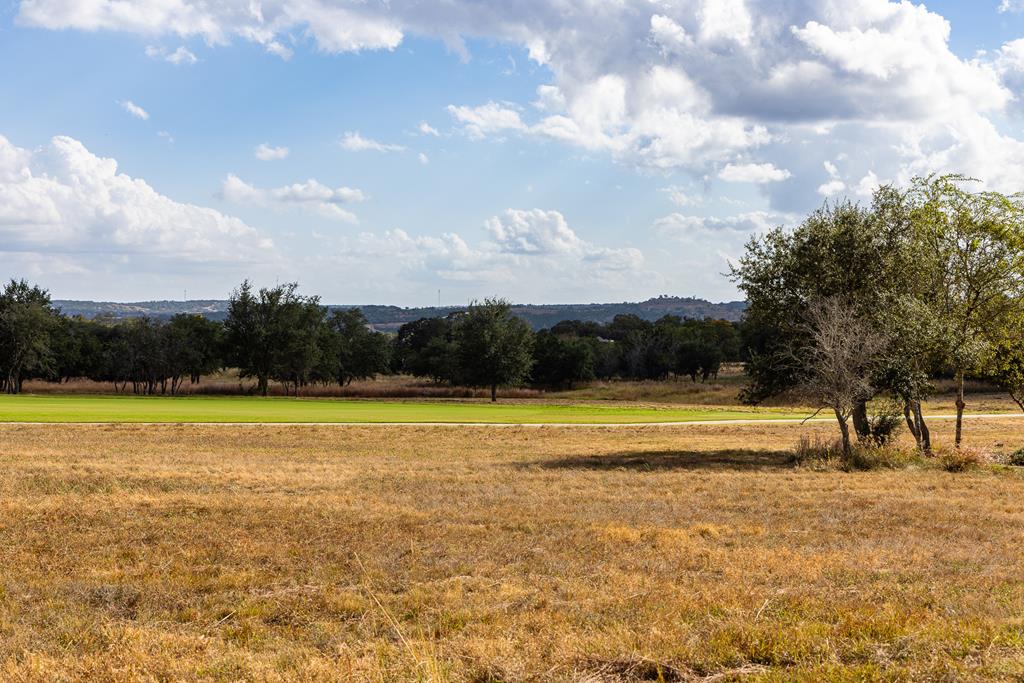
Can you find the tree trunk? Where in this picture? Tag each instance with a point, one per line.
(959, 406)
(860, 421)
(844, 430)
(922, 427)
(908, 415)
(263, 384)
(494, 393)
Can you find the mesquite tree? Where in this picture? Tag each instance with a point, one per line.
(838, 360)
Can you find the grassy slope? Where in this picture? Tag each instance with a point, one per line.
(439, 554)
(84, 408)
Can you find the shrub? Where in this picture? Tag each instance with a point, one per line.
(880, 457)
(1017, 458)
(819, 453)
(886, 422)
(960, 459)
(816, 450)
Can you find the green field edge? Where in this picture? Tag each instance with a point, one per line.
(206, 409)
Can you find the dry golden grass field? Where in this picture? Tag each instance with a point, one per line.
(385, 553)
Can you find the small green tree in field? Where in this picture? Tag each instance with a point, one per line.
(274, 334)
(493, 347)
(971, 247)
(28, 324)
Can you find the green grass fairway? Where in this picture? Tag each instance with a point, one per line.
(83, 408)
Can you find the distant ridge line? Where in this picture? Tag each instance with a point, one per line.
(390, 318)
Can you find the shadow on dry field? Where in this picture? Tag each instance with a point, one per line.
(647, 461)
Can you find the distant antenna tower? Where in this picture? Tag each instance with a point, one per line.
(439, 298)
(186, 295)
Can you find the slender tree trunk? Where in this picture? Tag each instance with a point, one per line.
(844, 430)
(263, 384)
(959, 406)
(494, 393)
(860, 421)
(908, 415)
(922, 427)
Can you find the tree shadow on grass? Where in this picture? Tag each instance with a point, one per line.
(651, 461)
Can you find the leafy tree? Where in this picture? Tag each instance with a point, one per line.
(77, 348)
(864, 258)
(561, 360)
(193, 346)
(623, 325)
(578, 328)
(493, 347)
(352, 350)
(273, 334)
(298, 337)
(972, 246)
(426, 348)
(697, 357)
(27, 324)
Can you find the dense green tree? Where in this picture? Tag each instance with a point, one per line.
(426, 348)
(625, 325)
(493, 347)
(862, 257)
(194, 348)
(274, 333)
(77, 348)
(27, 324)
(578, 328)
(353, 350)
(562, 360)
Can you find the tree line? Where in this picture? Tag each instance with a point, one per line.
(278, 335)
(860, 308)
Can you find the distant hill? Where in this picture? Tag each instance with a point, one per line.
(390, 318)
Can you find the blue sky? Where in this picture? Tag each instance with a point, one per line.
(545, 152)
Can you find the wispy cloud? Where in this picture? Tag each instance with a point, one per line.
(134, 109)
(265, 152)
(354, 142)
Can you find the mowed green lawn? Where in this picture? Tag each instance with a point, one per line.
(85, 408)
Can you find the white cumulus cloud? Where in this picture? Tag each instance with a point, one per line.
(63, 204)
(753, 173)
(310, 194)
(690, 85)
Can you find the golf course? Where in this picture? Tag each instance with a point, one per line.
(207, 409)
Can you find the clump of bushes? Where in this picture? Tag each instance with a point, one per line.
(824, 454)
(961, 459)
(1016, 458)
(818, 453)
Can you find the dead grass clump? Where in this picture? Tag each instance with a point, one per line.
(634, 668)
(962, 459)
(819, 453)
(815, 450)
(118, 601)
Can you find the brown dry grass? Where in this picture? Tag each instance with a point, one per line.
(390, 554)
